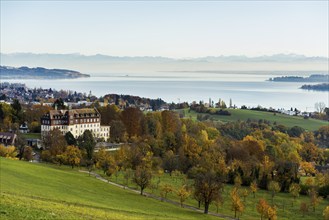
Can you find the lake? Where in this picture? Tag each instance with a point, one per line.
(250, 89)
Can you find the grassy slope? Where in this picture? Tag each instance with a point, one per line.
(289, 121)
(40, 191)
(287, 208)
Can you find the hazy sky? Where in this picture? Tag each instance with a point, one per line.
(166, 28)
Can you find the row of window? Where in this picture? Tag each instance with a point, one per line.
(87, 120)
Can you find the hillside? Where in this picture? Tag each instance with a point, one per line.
(38, 73)
(286, 120)
(40, 191)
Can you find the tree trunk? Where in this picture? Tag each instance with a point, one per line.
(142, 191)
(206, 207)
(199, 203)
(234, 213)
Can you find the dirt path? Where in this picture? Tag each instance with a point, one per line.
(154, 196)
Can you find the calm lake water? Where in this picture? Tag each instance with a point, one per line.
(243, 88)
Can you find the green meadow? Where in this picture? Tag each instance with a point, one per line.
(44, 191)
(287, 207)
(245, 114)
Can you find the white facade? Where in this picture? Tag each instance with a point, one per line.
(75, 121)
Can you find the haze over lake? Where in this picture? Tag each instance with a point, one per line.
(244, 88)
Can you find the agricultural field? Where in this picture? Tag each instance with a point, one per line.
(44, 191)
(245, 114)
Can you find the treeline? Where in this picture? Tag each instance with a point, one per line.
(317, 87)
(129, 100)
(311, 78)
(201, 108)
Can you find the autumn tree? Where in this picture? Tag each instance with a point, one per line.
(142, 177)
(218, 201)
(20, 144)
(117, 131)
(314, 198)
(128, 173)
(236, 205)
(253, 187)
(265, 210)
(33, 114)
(165, 189)
(170, 161)
(73, 155)
(294, 190)
(143, 172)
(245, 193)
(303, 208)
(132, 117)
(102, 160)
(54, 144)
(326, 213)
(109, 114)
(207, 184)
(27, 154)
(153, 125)
(273, 187)
(308, 168)
(271, 213)
(183, 193)
(237, 181)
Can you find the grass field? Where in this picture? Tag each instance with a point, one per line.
(287, 208)
(244, 114)
(43, 191)
(32, 135)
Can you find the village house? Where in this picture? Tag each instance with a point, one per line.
(7, 138)
(75, 121)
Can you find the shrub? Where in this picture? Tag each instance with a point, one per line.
(8, 151)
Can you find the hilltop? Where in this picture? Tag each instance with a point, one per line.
(38, 73)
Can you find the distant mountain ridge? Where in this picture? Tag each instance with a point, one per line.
(232, 58)
(129, 64)
(7, 72)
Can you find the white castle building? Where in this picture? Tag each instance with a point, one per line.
(75, 121)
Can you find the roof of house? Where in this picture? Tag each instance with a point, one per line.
(8, 138)
(53, 113)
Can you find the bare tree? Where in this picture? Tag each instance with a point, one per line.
(319, 107)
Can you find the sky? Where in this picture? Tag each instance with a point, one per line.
(177, 29)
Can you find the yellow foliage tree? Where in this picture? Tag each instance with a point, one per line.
(165, 189)
(274, 187)
(72, 156)
(237, 205)
(253, 187)
(183, 194)
(326, 213)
